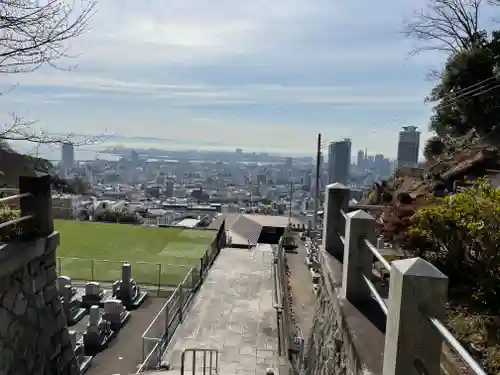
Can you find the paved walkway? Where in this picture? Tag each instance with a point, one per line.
(233, 312)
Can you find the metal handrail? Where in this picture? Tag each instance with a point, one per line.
(376, 294)
(456, 346)
(342, 239)
(377, 255)
(16, 221)
(15, 196)
(211, 353)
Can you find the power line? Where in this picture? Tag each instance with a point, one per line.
(460, 92)
(447, 105)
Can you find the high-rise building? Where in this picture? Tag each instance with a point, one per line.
(68, 155)
(288, 162)
(339, 161)
(408, 147)
(360, 159)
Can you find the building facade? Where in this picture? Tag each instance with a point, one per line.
(339, 161)
(68, 156)
(408, 147)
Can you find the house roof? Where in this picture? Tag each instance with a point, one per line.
(245, 229)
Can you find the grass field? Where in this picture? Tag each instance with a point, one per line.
(162, 255)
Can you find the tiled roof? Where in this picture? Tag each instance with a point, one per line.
(245, 229)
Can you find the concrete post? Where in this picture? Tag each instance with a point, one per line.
(72, 337)
(417, 292)
(380, 243)
(126, 273)
(336, 199)
(39, 204)
(357, 258)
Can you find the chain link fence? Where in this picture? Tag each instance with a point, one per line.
(108, 271)
(158, 335)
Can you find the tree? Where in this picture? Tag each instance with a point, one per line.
(434, 147)
(447, 25)
(33, 34)
(468, 97)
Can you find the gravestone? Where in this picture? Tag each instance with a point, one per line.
(98, 332)
(115, 313)
(127, 290)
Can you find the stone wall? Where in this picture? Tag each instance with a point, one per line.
(342, 341)
(34, 338)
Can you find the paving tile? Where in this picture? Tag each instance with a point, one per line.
(233, 312)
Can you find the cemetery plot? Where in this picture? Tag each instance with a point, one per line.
(96, 316)
(159, 256)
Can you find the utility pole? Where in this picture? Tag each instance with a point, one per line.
(316, 187)
(290, 205)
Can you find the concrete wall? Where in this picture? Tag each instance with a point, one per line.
(34, 337)
(343, 341)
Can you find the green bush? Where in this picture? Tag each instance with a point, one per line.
(461, 235)
(111, 216)
(12, 231)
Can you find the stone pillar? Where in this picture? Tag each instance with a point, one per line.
(357, 258)
(417, 291)
(38, 204)
(34, 337)
(336, 199)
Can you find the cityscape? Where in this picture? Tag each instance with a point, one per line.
(237, 182)
(246, 188)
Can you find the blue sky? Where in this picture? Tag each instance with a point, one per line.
(261, 75)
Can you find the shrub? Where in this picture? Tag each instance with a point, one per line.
(461, 234)
(12, 231)
(111, 216)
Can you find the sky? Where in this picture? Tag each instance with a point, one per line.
(258, 75)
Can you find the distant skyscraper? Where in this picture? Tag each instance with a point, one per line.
(68, 155)
(408, 147)
(361, 159)
(339, 161)
(288, 162)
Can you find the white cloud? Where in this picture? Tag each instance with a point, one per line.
(185, 95)
(131, 42)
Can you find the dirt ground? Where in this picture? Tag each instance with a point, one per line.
(303, 297)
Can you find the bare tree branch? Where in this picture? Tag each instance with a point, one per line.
(446, 25)
(35, 32)
(21, 129)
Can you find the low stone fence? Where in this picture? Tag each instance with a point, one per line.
(358, 330)
(34, 338)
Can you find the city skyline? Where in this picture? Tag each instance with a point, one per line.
(271, 77)
(88, 152)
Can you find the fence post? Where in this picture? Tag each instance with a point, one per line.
(39, 204)
(417, 291)
(181, 300)
(193, 280)
(167, 321)
(357, 258)
(336, 199)
(159, 279)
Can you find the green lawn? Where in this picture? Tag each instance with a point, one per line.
(96, 251)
